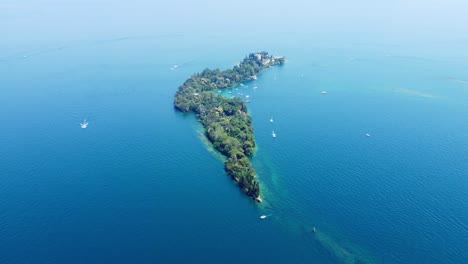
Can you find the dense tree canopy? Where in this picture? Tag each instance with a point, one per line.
(227, 123)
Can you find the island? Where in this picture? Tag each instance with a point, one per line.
(226, 121)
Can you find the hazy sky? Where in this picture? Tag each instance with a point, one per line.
(38, 20)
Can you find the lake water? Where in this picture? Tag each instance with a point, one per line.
(140, 185)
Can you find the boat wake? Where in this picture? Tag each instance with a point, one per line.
(84, 124)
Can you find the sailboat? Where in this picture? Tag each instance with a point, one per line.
(271, 119)
(273, 134)
(84, 124)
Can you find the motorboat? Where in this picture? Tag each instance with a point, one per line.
(84, 124)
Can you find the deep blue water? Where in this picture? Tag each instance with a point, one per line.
(140, 185)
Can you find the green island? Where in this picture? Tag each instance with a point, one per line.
(226, 121)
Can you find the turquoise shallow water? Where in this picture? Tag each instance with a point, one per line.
(139, 184)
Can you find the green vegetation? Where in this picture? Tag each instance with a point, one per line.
(226, 122)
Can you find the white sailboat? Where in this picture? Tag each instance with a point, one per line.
(273, 134)
(84, 124)
(271, 119)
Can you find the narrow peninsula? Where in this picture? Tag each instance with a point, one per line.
(227, 123)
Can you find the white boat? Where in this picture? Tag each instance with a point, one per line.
(324, 92)
(273, 134)
(271, 119)
(242, 85)
(84, 124)
(367, 135)
(247, 96)
(263, 217)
